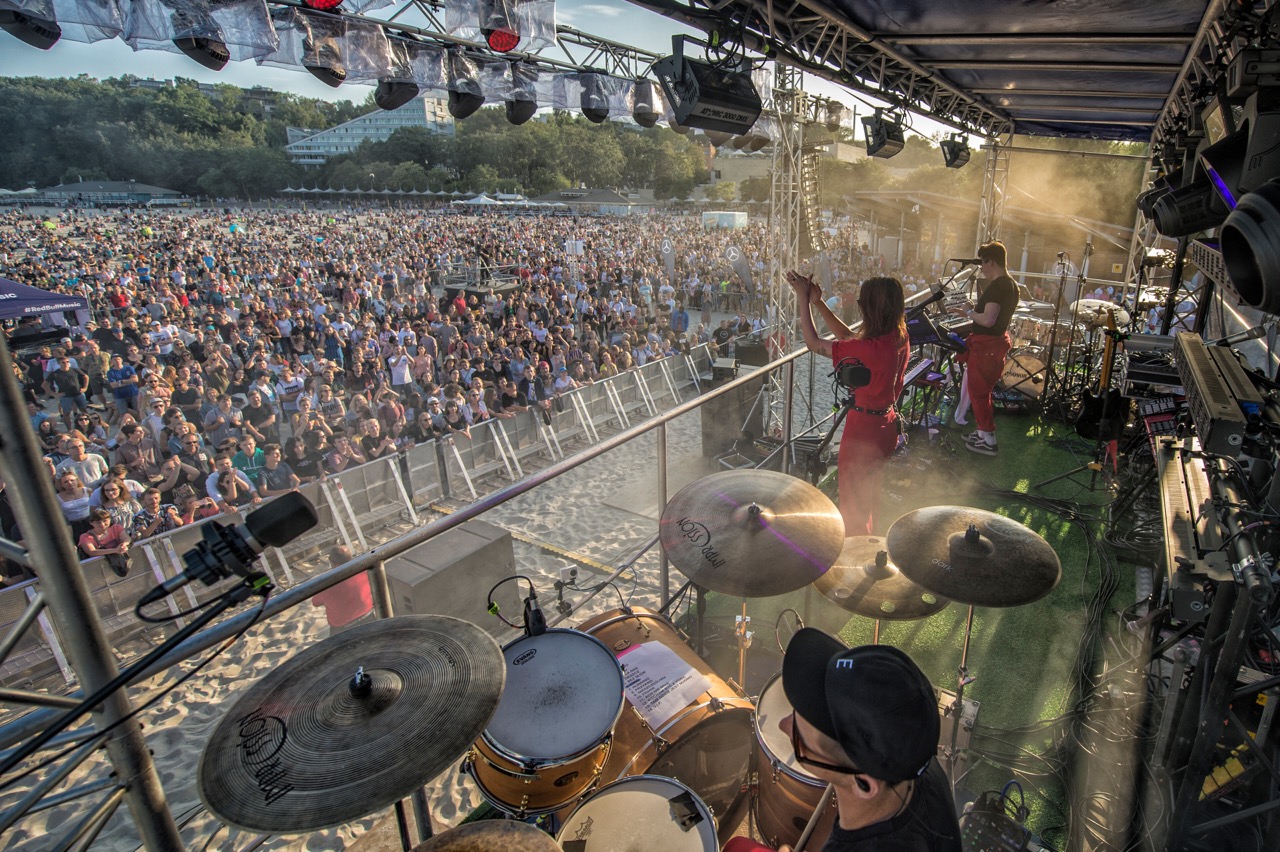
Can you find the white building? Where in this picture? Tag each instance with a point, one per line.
(314, 147)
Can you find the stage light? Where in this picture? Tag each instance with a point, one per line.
(322, 5)
(397, 88)
(1223, 163)
(594, 99)
(1147, 199)
(717, 139)
(884, 135)
(758, 143)
(522, 103)
(955, 151)
(737, 143)
(1250, 240)
(645, 104)
(37, 32)
(678, 127)
(835, 115)
(1184, 211)
(200, 39)
(465, 96)
(706, 96)
(498, 24)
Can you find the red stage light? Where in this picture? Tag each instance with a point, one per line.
(322, 5)
(502, 39)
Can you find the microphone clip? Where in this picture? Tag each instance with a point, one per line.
(535, 622)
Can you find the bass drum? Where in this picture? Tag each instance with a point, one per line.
(705, 745)
(785, 794)
(1023, 373)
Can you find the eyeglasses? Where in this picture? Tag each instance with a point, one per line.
(796, 746)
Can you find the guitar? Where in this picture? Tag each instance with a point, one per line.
(1103, 414)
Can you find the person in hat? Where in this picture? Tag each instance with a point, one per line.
(866, 721)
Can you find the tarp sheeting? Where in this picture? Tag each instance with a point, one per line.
(20, 300)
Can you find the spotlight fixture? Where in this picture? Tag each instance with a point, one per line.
(1184, 211)
(678, 127)
(465, 96)
(322, 5)
(835, 115)
(595, 99)
(706, 96)
(955, 151)
(645, 99)
(884, 135)
(758, 143)
(717, 139)
(397, 88)
(498, 25)
(1251, 247)
(37, 32)
(740, 142)
(522, 103)
(200, 39)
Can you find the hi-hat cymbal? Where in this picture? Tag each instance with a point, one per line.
(864, 582)
(489, 835)
(1094, 312)
(307, 747)
(973, 557)
(751, 533)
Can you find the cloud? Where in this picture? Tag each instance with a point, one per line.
(598, 10)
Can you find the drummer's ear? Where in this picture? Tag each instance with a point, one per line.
(862, 783)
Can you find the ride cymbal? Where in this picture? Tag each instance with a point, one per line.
(351, 724)
(751, 533)
(973, 557)
(490, 835)
(865, 582)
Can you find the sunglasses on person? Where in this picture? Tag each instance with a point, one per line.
(797, 746)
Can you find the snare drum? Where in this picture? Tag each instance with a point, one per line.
(642, 812)
(548, 740)
(785, 794)
(705, 744)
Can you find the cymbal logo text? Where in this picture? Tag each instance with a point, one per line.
(261, 739)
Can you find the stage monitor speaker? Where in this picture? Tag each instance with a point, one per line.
(752, 352)
(452, 573)
(706, 97)
(725, 417)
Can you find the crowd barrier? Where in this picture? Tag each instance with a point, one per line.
(363, 506)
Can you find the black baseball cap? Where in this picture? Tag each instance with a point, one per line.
(873, 700)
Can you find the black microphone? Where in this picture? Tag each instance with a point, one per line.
(967, 261)
(1241, 336)
(230, 549)
(535, 623)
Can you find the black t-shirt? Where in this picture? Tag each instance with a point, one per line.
(1003, 291)
(68, 381)
(928, 824)
(722, 336)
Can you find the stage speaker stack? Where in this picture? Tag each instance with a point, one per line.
(452, 573)
(725, 417)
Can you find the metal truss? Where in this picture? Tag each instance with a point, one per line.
(995, 186)
(827, 45)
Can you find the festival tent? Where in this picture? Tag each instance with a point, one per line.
(20, 300)
(480, 201)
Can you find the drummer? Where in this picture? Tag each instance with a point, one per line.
(866, 721)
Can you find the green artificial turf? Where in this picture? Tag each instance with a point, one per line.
(1020, 658)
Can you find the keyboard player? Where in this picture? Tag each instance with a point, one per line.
(988, 342)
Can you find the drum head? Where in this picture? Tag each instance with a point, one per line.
(563, 695)
(640, 814)
(771, 709)
(712, 759)
(1023, 373)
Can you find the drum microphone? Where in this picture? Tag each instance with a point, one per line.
(535, 623)
(1240, 337)
(226, 549)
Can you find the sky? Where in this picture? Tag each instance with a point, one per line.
(616, 20)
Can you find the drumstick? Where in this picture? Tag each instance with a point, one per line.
(813, 820)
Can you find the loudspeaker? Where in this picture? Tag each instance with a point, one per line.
(725, 417)
(752, 352)
(452, 573)
(706, 97)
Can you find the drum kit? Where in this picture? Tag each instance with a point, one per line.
(1039, 343)
(615, 735)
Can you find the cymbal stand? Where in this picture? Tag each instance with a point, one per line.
(744, 636)
(963, 679)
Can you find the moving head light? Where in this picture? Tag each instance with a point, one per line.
(707, 96)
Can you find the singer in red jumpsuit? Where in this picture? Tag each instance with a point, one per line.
(871, 426)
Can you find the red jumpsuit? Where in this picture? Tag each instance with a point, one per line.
(869, 438)
(985, 356)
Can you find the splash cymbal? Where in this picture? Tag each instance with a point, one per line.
(1094, 312)
(751, 533)
(973, 557)
(351, 724)
(865, 582)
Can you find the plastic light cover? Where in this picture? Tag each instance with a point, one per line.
(84, 21)
(534, 21)
(312, 39)
(611, 95)
(244, 26)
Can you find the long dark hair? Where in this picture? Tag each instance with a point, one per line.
(882, 301)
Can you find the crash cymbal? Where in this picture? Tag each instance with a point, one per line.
(1094, 312)
(973, 557)
(864, 582)
(489, 835)
(751, 533)
(306, 748)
